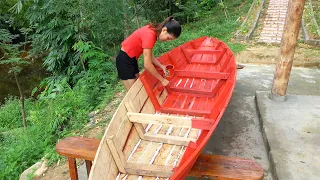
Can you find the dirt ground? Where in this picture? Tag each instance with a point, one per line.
(305, 56)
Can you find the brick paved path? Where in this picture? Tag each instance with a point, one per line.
(274, 21)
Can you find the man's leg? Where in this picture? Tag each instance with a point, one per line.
(128, 83)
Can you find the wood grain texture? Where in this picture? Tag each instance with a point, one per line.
(223, 167)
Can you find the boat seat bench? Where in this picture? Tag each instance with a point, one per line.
(206, 166)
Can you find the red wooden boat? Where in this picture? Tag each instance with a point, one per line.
(158, 132)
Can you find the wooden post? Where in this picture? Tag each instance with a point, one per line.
(287, 49)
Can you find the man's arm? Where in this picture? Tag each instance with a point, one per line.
(148, 64)
(157, 63)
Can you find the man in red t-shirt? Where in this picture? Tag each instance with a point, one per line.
(142, 41)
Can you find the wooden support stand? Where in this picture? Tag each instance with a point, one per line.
(206, 166)
(78, 148)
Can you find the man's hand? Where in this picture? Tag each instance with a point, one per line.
(165, 71)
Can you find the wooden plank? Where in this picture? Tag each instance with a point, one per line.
(224, 167)
(134, 89)
(203, 51)
(103, 162)
(148, 107)
(139, 100)
(160, 119)
(116, 154)
(78, 147)
(129, 146)
(115, 122)
(138, 126)
(139, 151)
(122, 134)
(161, 138)
(149, 169)
(150, 152)
(113, 170)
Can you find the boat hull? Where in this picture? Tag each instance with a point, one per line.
(158, 132)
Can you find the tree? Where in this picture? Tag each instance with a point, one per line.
(11, 57)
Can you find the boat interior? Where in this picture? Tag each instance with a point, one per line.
(157, 132)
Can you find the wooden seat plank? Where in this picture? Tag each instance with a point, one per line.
(78, 147)
(216, 166)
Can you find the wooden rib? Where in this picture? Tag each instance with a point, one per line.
(116, 154)
(161, 138)
(122, 134)
(160, 119)
(138, 126)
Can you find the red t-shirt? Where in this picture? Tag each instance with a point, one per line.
(142, 38)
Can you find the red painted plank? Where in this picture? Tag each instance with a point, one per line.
(200, 123)
(203, 51)
(150, 93)
(201, 74)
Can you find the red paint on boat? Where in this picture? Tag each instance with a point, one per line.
(201, 84)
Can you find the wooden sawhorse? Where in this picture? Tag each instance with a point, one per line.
(207, 166)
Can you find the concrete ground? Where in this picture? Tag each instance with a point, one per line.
(239, 131)
(292, 132)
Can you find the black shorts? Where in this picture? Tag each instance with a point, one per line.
(127, 67)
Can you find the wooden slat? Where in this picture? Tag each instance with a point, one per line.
(129, 146)
(122, 134)
(138, 126)
(113, 171)
(148, 107)
(116, 119)
(224, 167)
(139, 100)
(116, 154)
(86, 148)
(203, 51)
(134, 90)
(176, 140)
(160, 119)
(149, 169)
(103, 159)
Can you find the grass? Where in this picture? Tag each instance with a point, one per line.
(251, 18)
(214, 24)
